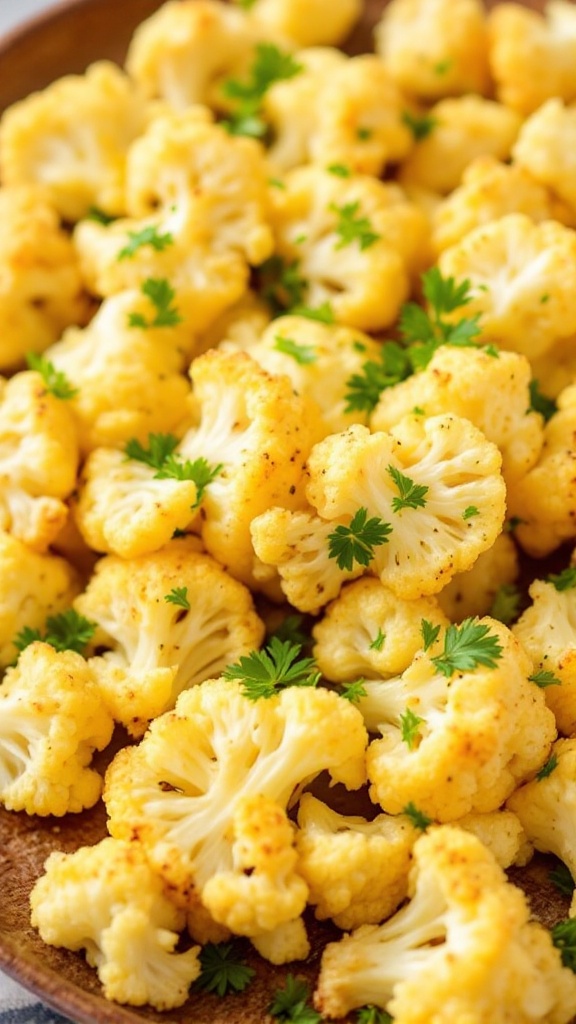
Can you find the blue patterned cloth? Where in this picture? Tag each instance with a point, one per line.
(17, 1006)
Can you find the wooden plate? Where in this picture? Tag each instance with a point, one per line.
(67, 39)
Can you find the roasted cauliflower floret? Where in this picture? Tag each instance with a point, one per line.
(306, 22)
(169, 621)
(356, 870)
(463, 948)
(457, 739)
(435, 48)
(462, 130)
(533, 56)
(32, 587)
(239, 327)
(545, 147)
(40, 282)
(72, 138)
(107, 900)
(492, 391)
(523, 281)
(38, 460)
(181, 791)
(429, 539)
(53, 719)
(502, 832)
(473, 592)
(369, 632)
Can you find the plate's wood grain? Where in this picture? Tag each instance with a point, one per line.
(65, 40)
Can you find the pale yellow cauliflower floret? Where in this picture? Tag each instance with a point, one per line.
(473, 592)
(52, 720)
(149, 649)
(523, 281)
(38, 460)
(32, 587)
(547, 630)
(40, 284)
(501, 831)
(238, 328)
(112, 403)
(106, 900)
(369, 632)
(462, 130)
(365, 281)
(556, 369)
(465, 948)
(428, 542)
(72, 137)
(490, 390)
(435, 48)
(306, 22)
(532, 55)
(545, 147)
(356, 870)
(481, 731)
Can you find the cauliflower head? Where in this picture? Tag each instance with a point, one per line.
(457, 738)
(473, 592)
(53, 719)
(107, 900)
(545, 147)
(73, 137)
(165, 622)
(306, 22)
(463, 948)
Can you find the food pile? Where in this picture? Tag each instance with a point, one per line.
(289, 351)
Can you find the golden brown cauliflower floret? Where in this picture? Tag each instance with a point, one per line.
(238, 328)
(545, 147)
(532, 55)
(462, 130)
(435, 48)
(150, 647)
(463, 949)
(306, 22)
(40, 283)
(73, 138)
(52, 720)
(556, 369)
(523, 281)
(457, 739)
(492, 391)
(473, 592)
(502, 833)
(38, 460)
(32, 587)
(107, 900)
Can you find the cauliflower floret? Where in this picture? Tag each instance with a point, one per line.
(286, 942)
(185, 48)
(493, 392)
(52, 720)
(157, 647)
(238, 328)
(253, 425)
(533, 56)
(306, 22)
(370, 632)
(113, 404)
(502, 832)
(472, 593)
(38, 460)
(180, 790)
(523, 281)
(457, 739)
(464, 948)
(40, 283)
(462, 130)
(547, 630)
(546, 806)
(435, 48)
(556, 369)
(490, 190)
(72, 137)
(355, 241)
(356, 870)
(545, 499)
(429, 539)
(107, 900)
(32, 587)
(545, 147)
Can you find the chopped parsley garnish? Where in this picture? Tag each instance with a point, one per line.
(302, 354)
(264, 673)
(353, 691)
(548, 768)
(67, 631)
(561, 878)
(373, 1015)
(565, 580)
(147, 236)
(178, 596)
(290, 1004)
(541, 403)
(506, 604)
(353, 228)
(339, 170)
(222, 970)
(417, 817)
(419, 124)
(55, 381)
(161, 455)
(512, 524)
(270, 65)
(411, 495)
(467, 646)
(324, 313)
(430, 634)
(378, 642)
(470, 512)
(544, 678)
(161, 295)
(276, 183)
(281, 284)
(95, 213)
(363, 134)
(364, 388)
(424, 331)
(290, 629)
(356, 542)
(410, 727)
(160, 447)
(443, 66)
(564, 938)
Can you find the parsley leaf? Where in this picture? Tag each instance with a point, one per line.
(270, 65)
(356, 542)
(281, 284)
(324, 313)
(540, 403)
(411, 495)
(95, 213)
(55, 381)
(561, 877)
(425, 331)
(339, 170)
(161, 295)
(290, 629)
(353, 228)
(178, 596)
(467, 646)
(378, 642)
(353, 691)
(544, 678)
(564, 938)
(264, 673)
(430, 634)
(547, 769)
(419, 124)
(364, 134)
(147, 236)
(161, 456)
(373, 1015)
(160, 446)
(302, 354)
(565, 580)
(470, 512)
(290, 1003)
(364, 389)
(417, 817)
(506, 604)
(25, 637)
(67, 631)
(410, 727)
(223, 970)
